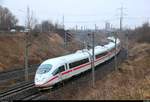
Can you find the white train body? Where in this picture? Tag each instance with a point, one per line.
(57, 69)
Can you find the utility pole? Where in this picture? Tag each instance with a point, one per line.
(81, 28)
(65, 40)
(121, 17)
(26, 44)
(95, 27)
(85, 45)
(76, 28)
(0, 18)
(127, 40)
(93, 58)
(84, 28)
(63, 22)
(93, 55)
(115, 51)
(26, 56)
(95, 41)
(65, 37)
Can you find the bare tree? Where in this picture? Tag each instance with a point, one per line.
(140, 34)
(31, 21)
(47, 26)
(7, 19)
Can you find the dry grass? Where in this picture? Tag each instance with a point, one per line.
(43, 47)
(130, 82)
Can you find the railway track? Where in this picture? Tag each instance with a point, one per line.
(15, 77)
(16, 73)
(37, 96)
(19, 92)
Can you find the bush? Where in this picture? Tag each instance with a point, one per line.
(140, 34)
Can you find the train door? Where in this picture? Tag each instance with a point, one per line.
(61, 69)
(66, 74)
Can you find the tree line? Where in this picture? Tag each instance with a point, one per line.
(140, 34)
(8, 21)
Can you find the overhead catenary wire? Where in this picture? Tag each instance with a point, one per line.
(93, 56)
(74, 38)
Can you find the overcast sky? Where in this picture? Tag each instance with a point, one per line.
(82, 12)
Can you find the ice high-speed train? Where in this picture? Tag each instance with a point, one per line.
(57, 69)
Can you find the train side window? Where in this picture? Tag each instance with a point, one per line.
(59, 70)
(77, 63)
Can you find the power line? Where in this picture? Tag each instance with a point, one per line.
(93, 56)
(116, 52)
(121, 18)
(65, 39)
(87, 21)
(75, 38)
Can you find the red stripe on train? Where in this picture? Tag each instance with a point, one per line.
(66, 72)
(83, 65)
(48, 81)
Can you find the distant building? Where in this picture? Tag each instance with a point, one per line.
(107, 26)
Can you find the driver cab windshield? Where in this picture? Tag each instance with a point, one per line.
(44, 68)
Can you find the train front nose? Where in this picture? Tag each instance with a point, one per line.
(39, 80)
(42, 81)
